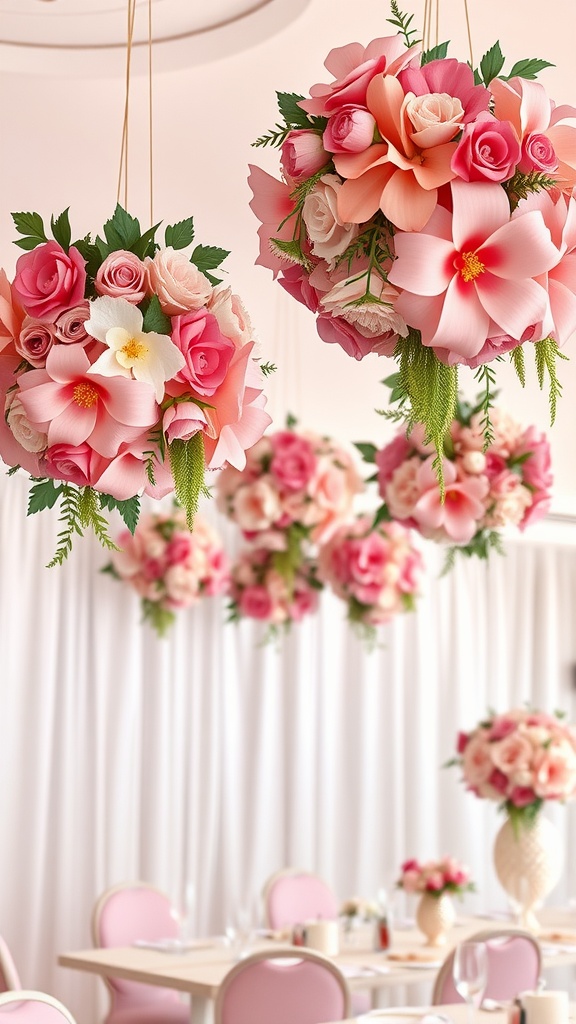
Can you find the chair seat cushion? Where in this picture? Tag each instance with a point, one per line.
(155, 1013)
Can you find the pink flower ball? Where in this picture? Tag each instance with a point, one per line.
(49, 280)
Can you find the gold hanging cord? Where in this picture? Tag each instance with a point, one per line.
(123, 168)
(432, 9)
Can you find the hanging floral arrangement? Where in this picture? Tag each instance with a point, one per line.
(375, 568)
(169, 567)
(507, 484)
(425, 212)
(126, 367)
(274, 596)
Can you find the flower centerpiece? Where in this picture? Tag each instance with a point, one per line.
(168, 566)
(435, 881)
(260, 590)
(521, 759)
(125, 367)
(375, 569)
(425, 212)
(506, 484)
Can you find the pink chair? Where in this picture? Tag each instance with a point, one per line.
(282, 986)
(123, 915)
(514, 959)
(9, 978)
(25, 1007)
(292, 896)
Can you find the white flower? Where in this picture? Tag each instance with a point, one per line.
(146, 356)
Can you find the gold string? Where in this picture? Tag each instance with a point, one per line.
(123, 168)
(150, 113)
(469, 33)
(437, 22)
(426, 25)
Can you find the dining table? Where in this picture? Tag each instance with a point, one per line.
(455, 1013)
(198, 967)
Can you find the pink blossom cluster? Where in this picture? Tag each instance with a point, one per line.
(292, 478)
(411, 216)
(376, 570)
(260, 590)
(88, 390)
(169, 567)
(520, 758)
(506, 485)
(435, 876)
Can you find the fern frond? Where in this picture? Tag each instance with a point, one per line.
(517, 360)
(520, 186)
(187, 465)
(547, 352)
(486, 377)
(402, 22)
(70, 518)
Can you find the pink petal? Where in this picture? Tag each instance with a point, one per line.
(535, 106)
(427, 478)
(384, 99)
(521, 248)
(129, 401)
(563, 306)
(73, 426)
(352, 165)
(65, 362)
(428, 511)
(507, 104)
(435, 168)
(479, 209)
(359, 198)
(464, 323)
(45, 401)
(406, 203)
(514, 305)
(421, 312)
(424, 263)
(123, 477)
(108, 435)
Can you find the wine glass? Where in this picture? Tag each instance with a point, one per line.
(470, 973)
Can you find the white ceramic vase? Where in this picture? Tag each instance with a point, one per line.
(528, 860)
(435, 915)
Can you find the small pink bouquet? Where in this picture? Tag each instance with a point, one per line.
(258, 590)
(125, 368)
(425, 211)
(435, 877)
(375, 569)
(506, 484)
(168, 566)
(519, 758)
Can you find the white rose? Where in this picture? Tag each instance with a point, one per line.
(256, 506)
(233, 320)
(373, 318)
(473, 462)
(179, 285)
(29, 437)
(436, 118)
(182, 586)
(329, 235)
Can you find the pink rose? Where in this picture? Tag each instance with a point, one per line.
(49, 280)
(476, 761)
(435, 881)
(179, 548)
(447, 77)
(35, 340)
(206, 350)
(302, 154)
(329, 235)
(123, 276)
(353, 67)
(555, 772)
(179, 285)
(304, 602)
(255, 602)
(70, 327)
(182, 586)
(410, 879)
(183, 420)
(522, 796)
(295, 281)
(489, 150)
(538, 154)
(389, 458)
(403, 490)
(350, 130)
(77, 464)
(499, 781)
(500, 728)
(293, 460)
(336, 331)
(462, 742)
(434, 119)
(256, 506)
(537, 469)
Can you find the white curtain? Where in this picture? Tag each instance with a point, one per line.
(208, 757)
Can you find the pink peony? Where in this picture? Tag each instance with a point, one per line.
(123, 276)
(303, 154)
(206, 350)
(48, 280)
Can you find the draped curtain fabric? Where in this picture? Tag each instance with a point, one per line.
(209, 757)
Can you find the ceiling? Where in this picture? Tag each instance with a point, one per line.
(86, 36)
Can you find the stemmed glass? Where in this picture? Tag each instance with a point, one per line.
(470, 974)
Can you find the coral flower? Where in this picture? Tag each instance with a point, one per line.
(75, 405)
(470, 270)
(395, 176)
(271, 204)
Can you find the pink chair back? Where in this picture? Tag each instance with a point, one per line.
(26, 1007)
(9, 978)
(514, 959)
(291, 897)
(282, 987)
(123, 915)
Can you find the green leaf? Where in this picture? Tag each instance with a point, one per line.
(70, 519)
(181, 234)
(43, 494)
(268, 368)
(293, 115)
(187, 465)
(382, 516)
(122, 231)
(273, 138)
(391, 381)
(492, 63)
(129, 508)
(160, 618)
(529, 68)
(61, 229)
(145, 246)
(367, 450)
(30, 224)
(28, 243)
(208, 257)
(102, 247)
(290, 250)
(435, 53)
(155, 319)
(90, 253)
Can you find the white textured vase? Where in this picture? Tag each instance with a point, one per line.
(528, 862)
(435, 916)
